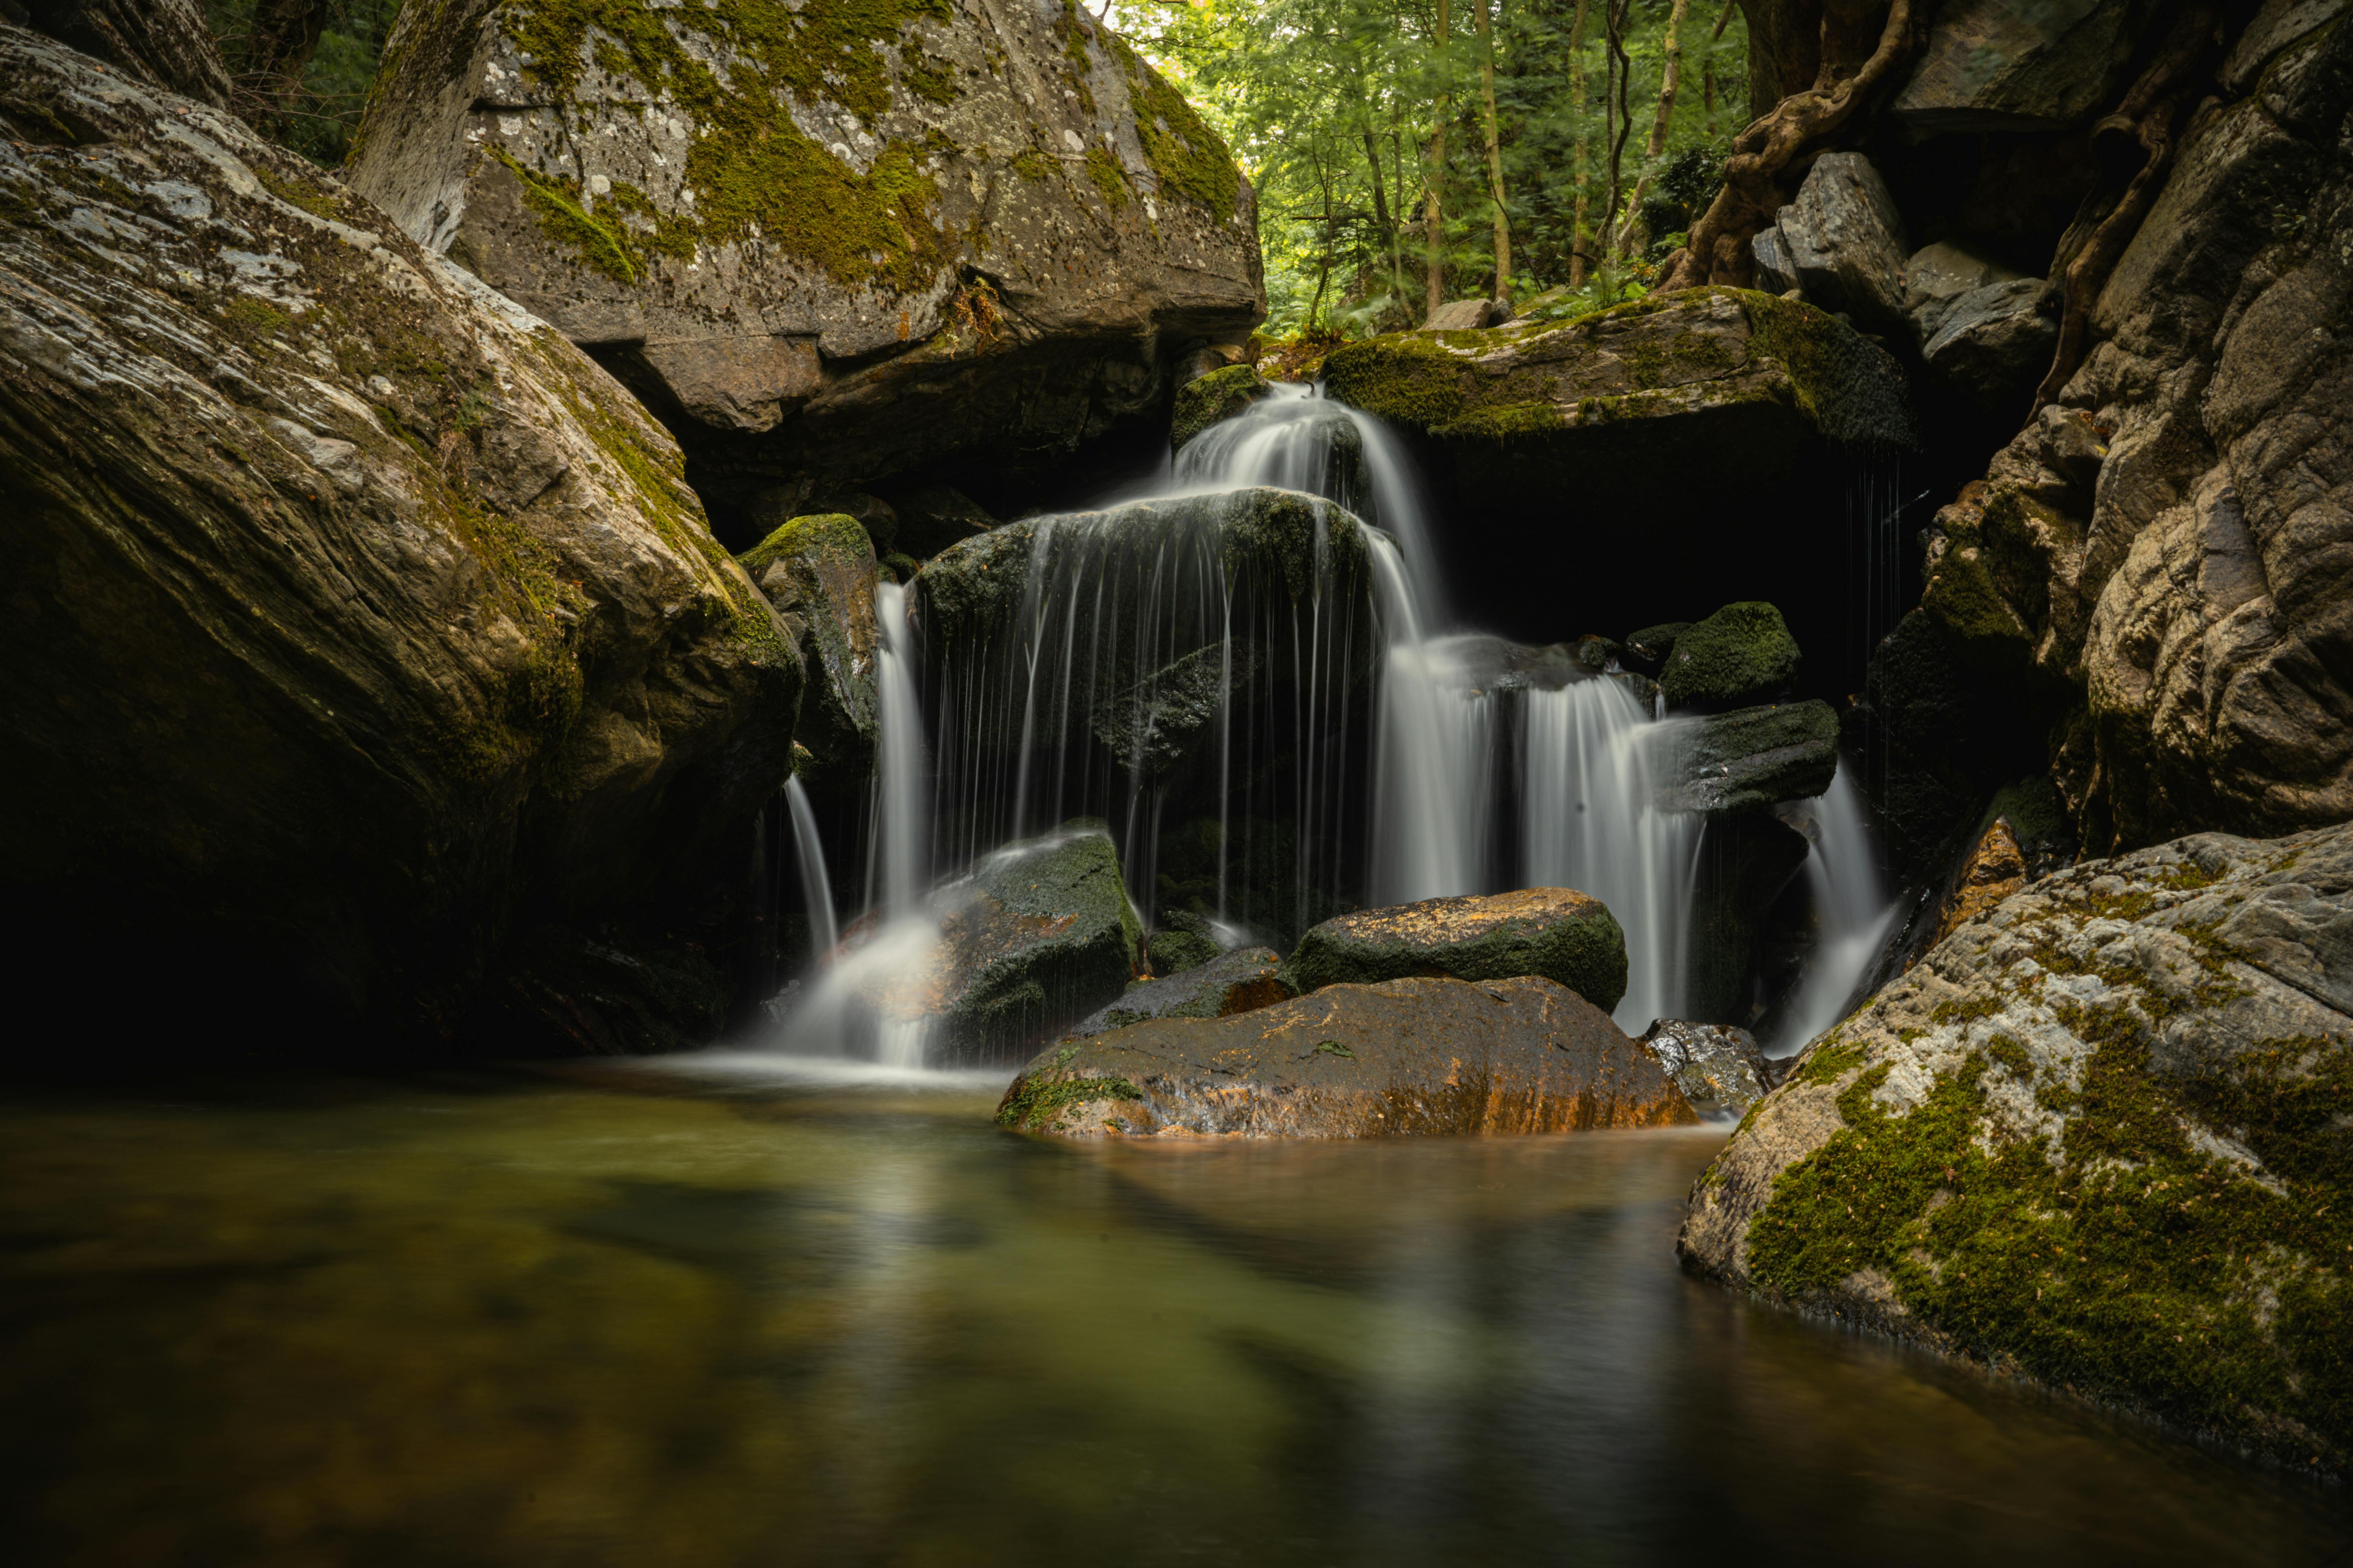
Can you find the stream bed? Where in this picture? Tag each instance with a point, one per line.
(704, 1312)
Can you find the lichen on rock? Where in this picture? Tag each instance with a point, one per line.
(2097, 1137)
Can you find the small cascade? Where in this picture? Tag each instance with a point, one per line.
(1433, 754)
(1591, 761)
(1853, 909)
(816, 888)
(900, 852)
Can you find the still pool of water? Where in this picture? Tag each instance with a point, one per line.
(701, 1313)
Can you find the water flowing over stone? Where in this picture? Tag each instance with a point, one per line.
(1854, 907)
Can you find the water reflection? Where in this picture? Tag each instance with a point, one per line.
(699, 1317)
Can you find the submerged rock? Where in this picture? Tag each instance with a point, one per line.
(1753, 757)
(1561, 935)
(837, 240)
(819, 573)
(1720, 1068)
(1399, 1059)
(1206, 399)
(1738, 654)
(2101, 1131)
(1238, 981)
(361, 622)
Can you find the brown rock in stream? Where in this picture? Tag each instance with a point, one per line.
(1399, 1059)
(1557, 933)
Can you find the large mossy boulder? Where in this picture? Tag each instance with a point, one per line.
(1688, 448)
(1427, 1056)
(1749, 759)
(1241, 981)
(362, 628)
(834, 241)
(1035, 936)
(1737, 654)
(819, 573)
(2098, 1136)
(1561, 935)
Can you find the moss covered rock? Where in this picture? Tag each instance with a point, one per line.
(1562, 935)
(819, 573)
(361, 622)
(1221, 395)
(2097, 1137)
(1399, 1059)
(784, 221)
(1738, 654)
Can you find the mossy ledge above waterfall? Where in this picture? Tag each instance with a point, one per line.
(2098, 1136)
(1670, 356)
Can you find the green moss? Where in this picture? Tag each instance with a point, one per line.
(1740, 653)
(1111, 180)
(1853, 391)
(2137, 1264)
(313, 197)
(751, 168)
(1206, 399)
(1036, 1103)
(1829, 1061)
(257, 318)
(1192, 160)
(1033, 165)
(832, 530)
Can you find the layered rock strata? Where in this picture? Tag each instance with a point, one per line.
(362, 627)
(842, 241)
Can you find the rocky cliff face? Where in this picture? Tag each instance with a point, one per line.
(839, 241)
(369, 650)
(2160, 556)
(2098, 1136)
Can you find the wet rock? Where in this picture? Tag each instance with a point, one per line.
(1994, 344)
(1749, 759)
(1845, 240)
(1993, 65)
(2099, 1129)
(933, 517)
(1404, 1058)
(1220, 395)
(1744, 863)
(1740, 653)
(819, 573)
(844, 243)
(1937, 275)
(1720, 1068)
(1562, 935)
(165, 42)
(1034, 937)
(1995, 869)
(457, 655)
(1238, 981)
(1174, 950)
(1647, 649)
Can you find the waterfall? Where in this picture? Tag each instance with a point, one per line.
(1433, 756)
(1591, 761)
(900, 853)
(1854, 910)
(817, 890)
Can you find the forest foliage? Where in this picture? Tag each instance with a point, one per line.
(1349, 114)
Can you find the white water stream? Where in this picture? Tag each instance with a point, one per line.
(1461, 763)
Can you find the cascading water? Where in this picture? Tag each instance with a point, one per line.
(1853, 908)
(816, 888)
(1592, 760)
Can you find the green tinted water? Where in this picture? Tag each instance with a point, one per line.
(648, 1317)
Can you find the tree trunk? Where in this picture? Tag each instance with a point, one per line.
(1495, 155)
(1675, 59)
(1324, 272)
(1618, 118)
(1380, 200)
(1434, 206)
(1576, 257)
(278, 43)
